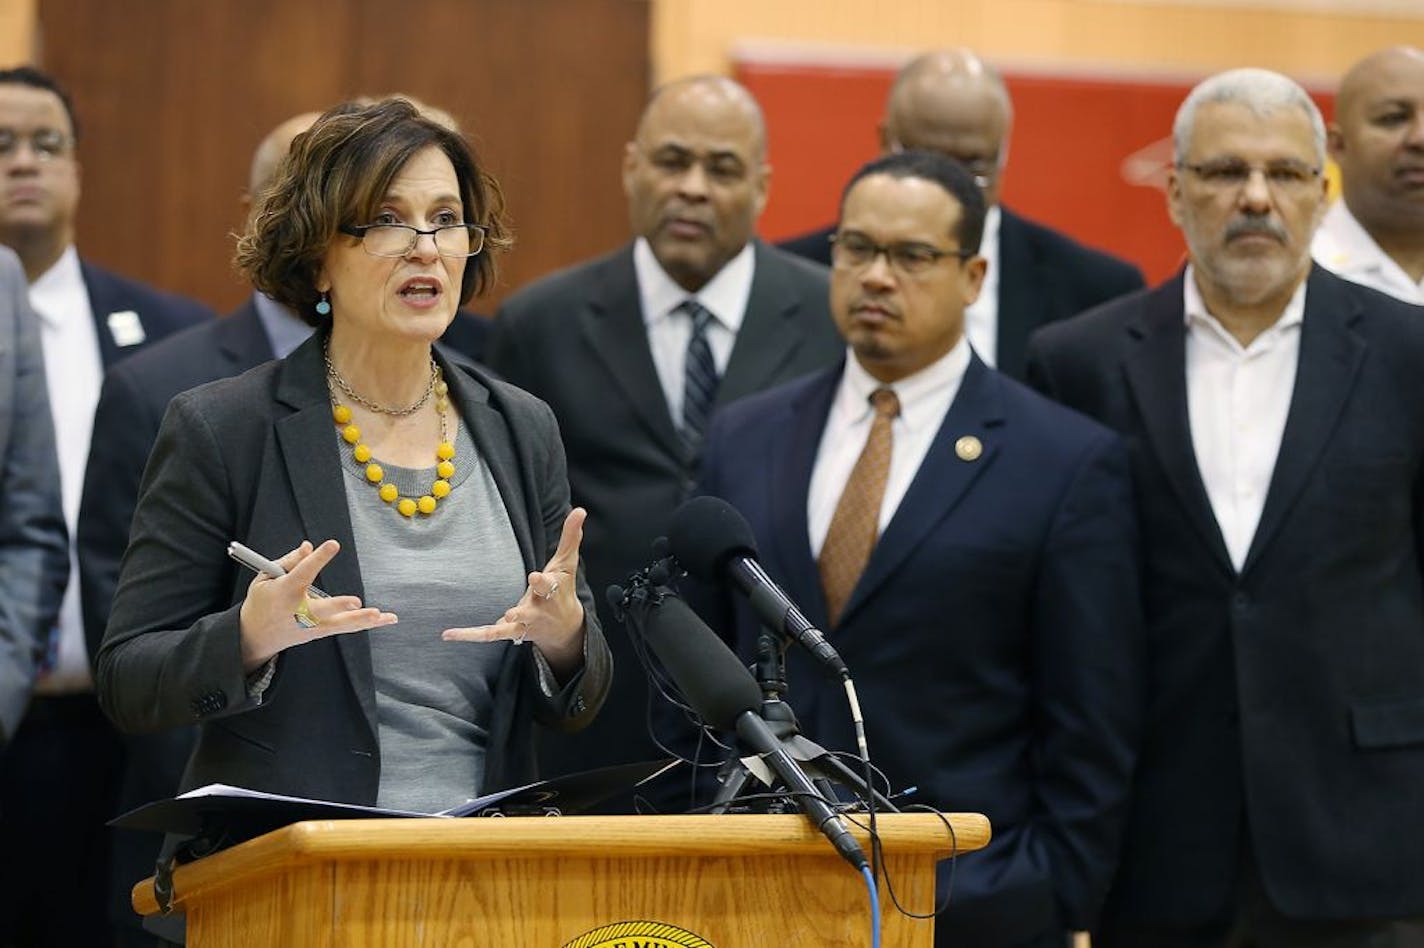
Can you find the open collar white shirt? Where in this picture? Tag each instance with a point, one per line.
(1237, 402)
(74, 372)
(725, 296)
(924, 397)
(981, 320)
(1343, 246)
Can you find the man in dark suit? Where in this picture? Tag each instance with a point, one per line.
(634, 350)
(1276, 426)
(968, 546)
(952, 102)
(59, 776)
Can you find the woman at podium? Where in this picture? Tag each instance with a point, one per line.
(426, 609)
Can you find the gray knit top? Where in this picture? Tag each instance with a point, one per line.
(459, 566)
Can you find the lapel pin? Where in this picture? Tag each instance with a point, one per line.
(968, 448)
(126, 328)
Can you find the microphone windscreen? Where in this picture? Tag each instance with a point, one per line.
(716, 684)
(705, 532)
(613, 595)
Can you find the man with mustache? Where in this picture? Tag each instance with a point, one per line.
(634, 351)
(967, 545)
(1276, 426)
(1375, 233)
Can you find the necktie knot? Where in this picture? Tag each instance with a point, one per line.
(699, 314)
(885, 402)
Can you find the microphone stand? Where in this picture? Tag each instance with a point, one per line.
(824, 768)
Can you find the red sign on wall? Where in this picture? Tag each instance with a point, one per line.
(1087, 156)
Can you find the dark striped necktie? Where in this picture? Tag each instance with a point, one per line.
(699, 380)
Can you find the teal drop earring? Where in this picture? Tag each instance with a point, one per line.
(323, 305)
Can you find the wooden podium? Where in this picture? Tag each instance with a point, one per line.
(548, 882)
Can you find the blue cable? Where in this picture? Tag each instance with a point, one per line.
(874, 906)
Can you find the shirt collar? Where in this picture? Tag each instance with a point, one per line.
(284, 330)
(1196, 313)
(915, 392)
(63, 276)
(989, 245)
(1344, 245)
(725, 295)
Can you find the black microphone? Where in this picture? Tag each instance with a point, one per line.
(724, 694)
(712, 541)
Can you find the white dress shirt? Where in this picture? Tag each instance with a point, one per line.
(1343, 246)
(725, 297)
(981, 320)
(925, 398)
(1237, 402)
(74, 372)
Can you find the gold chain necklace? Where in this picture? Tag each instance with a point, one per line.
(444, 453)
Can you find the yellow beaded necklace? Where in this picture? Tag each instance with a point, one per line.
(351, 434)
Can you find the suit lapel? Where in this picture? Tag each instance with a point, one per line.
(614, 328)
(941, 481)
(790, 472)
(769, 333)
(102, 302)
(312, 461)
(1156, 370)
(1021, 290)
(492, 439)
(1329, 363)
(242, 340)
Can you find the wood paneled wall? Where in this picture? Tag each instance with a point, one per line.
(174, 95)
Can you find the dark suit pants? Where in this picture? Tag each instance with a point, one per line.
(1255, 923)
(58, 784)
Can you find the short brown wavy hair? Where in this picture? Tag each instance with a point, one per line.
(337, 174)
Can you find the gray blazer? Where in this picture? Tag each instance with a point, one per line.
(34, 551)
(253, 459)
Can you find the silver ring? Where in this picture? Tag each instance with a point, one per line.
(523, 631)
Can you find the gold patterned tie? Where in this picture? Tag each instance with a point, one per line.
(856, 523)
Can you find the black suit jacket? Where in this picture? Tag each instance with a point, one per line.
(254, 459)
(1044, 276)
(994, 635)
(1288, 697)
(577, 339)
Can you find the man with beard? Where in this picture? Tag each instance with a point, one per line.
(1277, 432)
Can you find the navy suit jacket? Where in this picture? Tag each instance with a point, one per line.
(994, 635)
(1287, 698)
(1044, 276)
(159, 313)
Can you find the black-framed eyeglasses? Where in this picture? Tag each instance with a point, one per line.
(1231, 174)
(852, 251)
(398, 240)
(48, 144)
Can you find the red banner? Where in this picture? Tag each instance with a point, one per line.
(1087, 156)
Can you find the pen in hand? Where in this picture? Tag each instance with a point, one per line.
(260, 564)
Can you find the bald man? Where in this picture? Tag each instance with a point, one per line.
(634, 351)
(1374, 234)
(952, 102)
